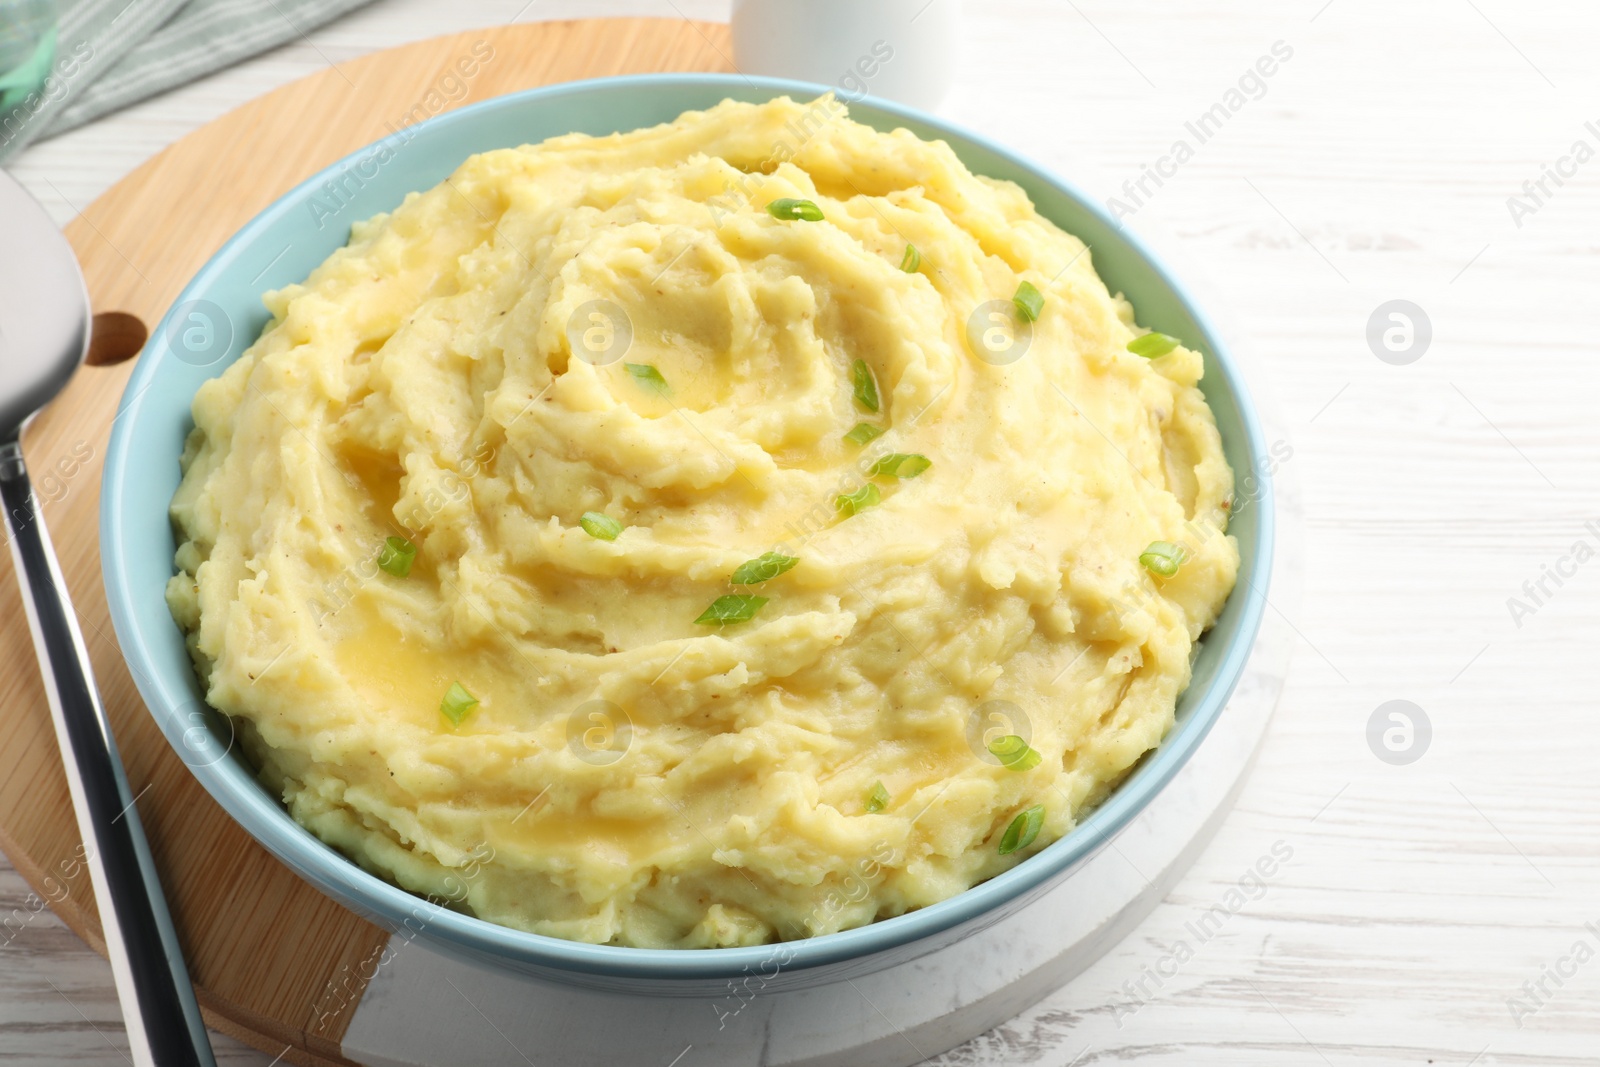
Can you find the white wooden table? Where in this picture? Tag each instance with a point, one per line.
(1376, 166)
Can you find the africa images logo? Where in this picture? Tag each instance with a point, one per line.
(1251, 85)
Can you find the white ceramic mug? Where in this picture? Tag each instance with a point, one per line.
(902, 50)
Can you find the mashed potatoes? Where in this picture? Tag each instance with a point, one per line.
(597, 734)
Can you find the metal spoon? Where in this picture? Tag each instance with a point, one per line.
(44, 334)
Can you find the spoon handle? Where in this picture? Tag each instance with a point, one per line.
(158, 1004)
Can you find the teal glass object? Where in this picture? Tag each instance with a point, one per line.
(27, 56)
(27, 48)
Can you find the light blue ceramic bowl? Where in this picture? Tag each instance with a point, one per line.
(286, 241)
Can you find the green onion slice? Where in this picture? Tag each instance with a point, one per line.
(865, 386)
(912, 260)
(1015, 753)
(854, 503)
(901, 465)
(647, 375)
(1023, 829)
(734, 607)
(1152, 345)
(602, 526)
(1029, 301)
(396, 556)
(792, 209)
(763, 568)
(877, 798)
(1162, 558)
(457, 703)
(863, 432)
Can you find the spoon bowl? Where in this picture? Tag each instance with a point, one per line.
(44, 310)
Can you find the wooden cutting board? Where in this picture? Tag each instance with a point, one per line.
(275, 962)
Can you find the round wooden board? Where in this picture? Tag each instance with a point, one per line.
(275, 962)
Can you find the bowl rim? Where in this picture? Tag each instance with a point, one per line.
(356, 888)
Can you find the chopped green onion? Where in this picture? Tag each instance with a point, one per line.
(1162, 557)
(901, 465)
(457, 703)
(396, 556)
(863, 433)
(877, 798)
(1015, 753)
(792, 209)
(1029, 301)
(1152, 345)
(763, 568)
(912, 260)
(602, 526)
(866, 388)
(647, 375)
(734, 607)
(1023, 829)
(854, 503)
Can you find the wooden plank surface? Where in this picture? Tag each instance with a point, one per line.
(1376, 166)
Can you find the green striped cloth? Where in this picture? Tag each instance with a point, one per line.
(112, 53)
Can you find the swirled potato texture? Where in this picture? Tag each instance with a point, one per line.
(596, 332)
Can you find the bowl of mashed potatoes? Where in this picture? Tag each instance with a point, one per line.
(650, 529)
